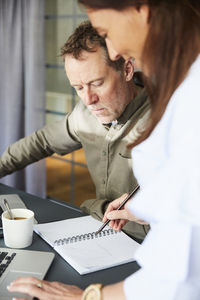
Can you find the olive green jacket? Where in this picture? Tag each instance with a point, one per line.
(108, 160)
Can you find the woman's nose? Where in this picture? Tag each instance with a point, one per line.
(114, 55)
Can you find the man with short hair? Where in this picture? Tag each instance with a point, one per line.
(110, 114)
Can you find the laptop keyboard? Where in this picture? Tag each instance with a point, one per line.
(5, 260)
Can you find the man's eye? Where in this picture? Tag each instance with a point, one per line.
(78, 88)
(98, 83)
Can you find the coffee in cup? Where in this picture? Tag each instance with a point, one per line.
(18, 232)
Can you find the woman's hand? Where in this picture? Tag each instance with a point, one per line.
(45, 290)
(120, 217)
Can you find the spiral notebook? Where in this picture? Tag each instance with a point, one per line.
(75, 240)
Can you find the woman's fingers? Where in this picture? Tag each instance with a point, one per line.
(117, 214)
(113, 206)
(45, 290)
(29, 288)
(118, 218)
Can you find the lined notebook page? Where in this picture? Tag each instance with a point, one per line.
(75, 241)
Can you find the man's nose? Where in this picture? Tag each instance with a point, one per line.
(89, 97)
(114, 55)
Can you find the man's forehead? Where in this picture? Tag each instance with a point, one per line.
(84, 55)
(89, 68)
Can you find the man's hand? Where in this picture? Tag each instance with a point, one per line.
(120, 217)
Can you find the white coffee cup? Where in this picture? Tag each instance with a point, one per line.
(18, 233)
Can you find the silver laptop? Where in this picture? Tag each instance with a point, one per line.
(16, 263)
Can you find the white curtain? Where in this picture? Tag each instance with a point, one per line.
(22, 87)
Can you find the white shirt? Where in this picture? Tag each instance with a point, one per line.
(167, 167)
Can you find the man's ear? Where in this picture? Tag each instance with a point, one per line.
(128, 69)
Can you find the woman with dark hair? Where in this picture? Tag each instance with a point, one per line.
(164, 38)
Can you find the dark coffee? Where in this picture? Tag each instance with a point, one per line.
(19, 218)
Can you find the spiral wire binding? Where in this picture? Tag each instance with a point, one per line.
(83, 237)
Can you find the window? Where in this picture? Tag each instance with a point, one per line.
(68, 178)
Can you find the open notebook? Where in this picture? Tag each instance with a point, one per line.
(75, 240)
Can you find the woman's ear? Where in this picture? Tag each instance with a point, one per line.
(128, 69)
(144, 13)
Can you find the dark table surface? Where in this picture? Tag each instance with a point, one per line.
(47, 210)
